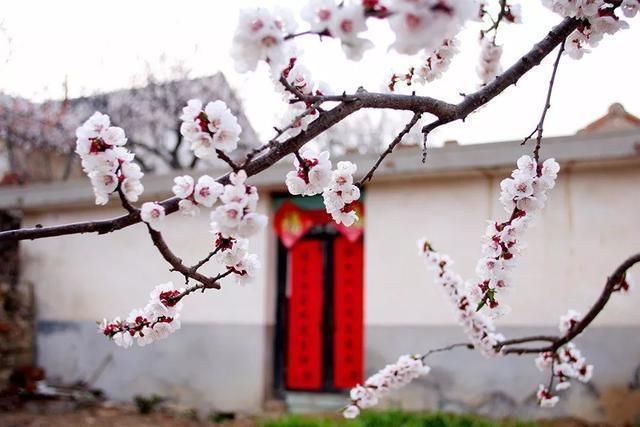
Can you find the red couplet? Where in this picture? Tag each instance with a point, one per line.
(348, 313)
(304, 343)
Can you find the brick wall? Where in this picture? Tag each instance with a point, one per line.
(16, 306)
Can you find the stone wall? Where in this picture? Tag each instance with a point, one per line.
(16, 306)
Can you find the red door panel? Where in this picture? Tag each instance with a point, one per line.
(348, 313)
(304, 343)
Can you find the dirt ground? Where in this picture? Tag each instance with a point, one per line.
(109, 417)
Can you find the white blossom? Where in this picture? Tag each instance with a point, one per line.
(489, 66)
(345, 24)
(259, 36)
(545, 398)
(423, 24)
(183, 186)
(153, 214)
(351, 411)
(568, 321)
(319, 14)
(311, 177)
(207, 191)
(245, 270)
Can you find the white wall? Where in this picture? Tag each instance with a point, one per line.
(590, 225)
(87, 277)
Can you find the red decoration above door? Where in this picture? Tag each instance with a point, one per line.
(291, 223)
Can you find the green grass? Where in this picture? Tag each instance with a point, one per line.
(394, 419)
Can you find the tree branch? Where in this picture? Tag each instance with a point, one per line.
(610, 287)
(418, 104)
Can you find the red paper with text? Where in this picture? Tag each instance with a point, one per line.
(348, 313)
(304, 346)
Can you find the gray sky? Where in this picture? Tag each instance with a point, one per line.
(100, 45)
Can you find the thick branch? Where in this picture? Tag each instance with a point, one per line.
(511, 76)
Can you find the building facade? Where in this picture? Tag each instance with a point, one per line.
(331, 306)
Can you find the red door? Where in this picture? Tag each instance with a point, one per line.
(325, 344)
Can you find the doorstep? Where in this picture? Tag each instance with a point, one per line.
(309, 403)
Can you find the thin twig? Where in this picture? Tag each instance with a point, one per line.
(222, 156)
(280, 131)
(447, 348)
(426, 130)
(200, 286)
(205, 260)
(540, 127)
(390, 147)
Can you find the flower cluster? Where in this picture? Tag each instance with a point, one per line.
(312, 174)
(210, 130)
(423, 24)
(489, 66)
(437, 62)
(523, 195)
(566, 363)
(546, 399)
(391, 377)
(107, 163)
(432, 67)
(478, 327)
(340, 194)
(598, 18)
(344, 21)
(260, 37)
(157, 320)
(417, 24)
(300, 113)
(234, 221)
(205, 192)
